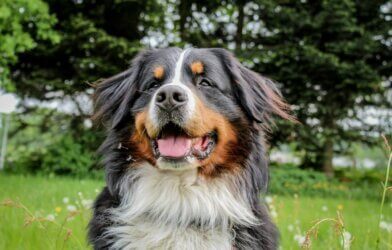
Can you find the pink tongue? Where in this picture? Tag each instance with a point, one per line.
(174, 146)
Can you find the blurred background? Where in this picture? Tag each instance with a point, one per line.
(331, 59)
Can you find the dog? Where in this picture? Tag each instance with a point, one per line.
(184, 153)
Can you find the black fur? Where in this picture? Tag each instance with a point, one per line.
(247, 100)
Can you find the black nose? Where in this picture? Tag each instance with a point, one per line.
(170, 97)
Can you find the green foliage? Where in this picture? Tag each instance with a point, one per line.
(349, 183)
(55, 151)
(91, 48)
(64, 156)
(23, 24)
(358, 177)
(26, 161)
(323, 53)
(332, 58)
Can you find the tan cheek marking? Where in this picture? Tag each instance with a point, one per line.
(204, 121)
(140, 140)
(144, 125)
(159, 72)
(197, 67)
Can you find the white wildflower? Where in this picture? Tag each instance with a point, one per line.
(300, 239)
(65, 200)
(87, 203)
(324, 208)
(274, 214)
(290, 228)
(386, 226)
(50, 217)
(346, 240)
(269, 199)
(71, 208)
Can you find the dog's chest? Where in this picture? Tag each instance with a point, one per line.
(145, 234)
(163, 210)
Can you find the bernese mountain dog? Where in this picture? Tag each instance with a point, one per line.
(184, 153)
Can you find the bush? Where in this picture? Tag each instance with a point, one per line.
(289, 180)
(371, 176)
(65, 156)
(25, 160)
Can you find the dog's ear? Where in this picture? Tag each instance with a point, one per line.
(258, 96)
(113, 96)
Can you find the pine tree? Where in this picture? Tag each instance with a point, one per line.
(332, 58)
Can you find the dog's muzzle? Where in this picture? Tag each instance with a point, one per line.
(174, 145)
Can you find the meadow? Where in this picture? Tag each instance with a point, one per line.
(52, 213)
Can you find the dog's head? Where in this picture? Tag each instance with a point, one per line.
(193, 108)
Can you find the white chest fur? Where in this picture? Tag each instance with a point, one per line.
(160, 210)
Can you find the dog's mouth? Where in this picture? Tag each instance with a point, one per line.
(174, 143)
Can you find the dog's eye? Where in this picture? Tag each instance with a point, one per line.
(204, 83)
(154, 85)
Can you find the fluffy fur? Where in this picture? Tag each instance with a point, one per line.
(179, 207)
(211, 204)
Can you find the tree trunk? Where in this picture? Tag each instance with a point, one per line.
(329, 127)
(184, 8)
(240, 25)
(327, 158)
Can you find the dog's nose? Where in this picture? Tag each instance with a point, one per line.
(170, 97)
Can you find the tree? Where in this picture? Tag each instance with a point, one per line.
(97, 40)
(331, 58)
(23, 24)
(91, 48)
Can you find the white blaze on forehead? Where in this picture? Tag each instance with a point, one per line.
(178, 68)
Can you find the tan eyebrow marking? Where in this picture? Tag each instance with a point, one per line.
(159, 72)
(197, 67)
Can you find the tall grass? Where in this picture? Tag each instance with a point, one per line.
(338, 223)
(385, 189)
(52, 213)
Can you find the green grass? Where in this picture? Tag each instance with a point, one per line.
(41, 196)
